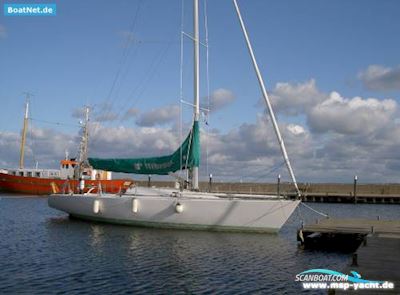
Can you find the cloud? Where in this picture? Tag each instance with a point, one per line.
(257, 141)
(249, 152)
(334, 139)
(295, 98)
(102, 113)
(107, 116)
(46, 146)
(3, 32)
(332, 112)
(131, 113)
(295, 129)
(9, 149)
(351, 116)
(159, 116)
(220, 98)
(131, 142)
(380, 78)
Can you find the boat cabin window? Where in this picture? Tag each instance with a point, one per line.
(37, 174)
(67, 166)
(14, 173)
(29, 173)
(21, 173)
(73, 165)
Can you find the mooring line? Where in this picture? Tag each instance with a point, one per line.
(316, 211)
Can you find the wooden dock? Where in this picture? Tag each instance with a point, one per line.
(375, 245)
(378, 258)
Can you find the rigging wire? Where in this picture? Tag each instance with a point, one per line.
(141, 87)
(54, 123)
(109, 102)
(181, 87)
(127, 48)
(208, 86)
(273, 169)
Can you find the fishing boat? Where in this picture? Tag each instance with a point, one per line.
(183, 207)
(74, 175)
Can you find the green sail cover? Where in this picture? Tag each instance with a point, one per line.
(190, 151)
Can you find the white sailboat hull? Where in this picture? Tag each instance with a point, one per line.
(198, 211)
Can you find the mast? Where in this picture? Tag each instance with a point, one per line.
(196, 110)
(25, 128)
(83, 148)
(266, 99)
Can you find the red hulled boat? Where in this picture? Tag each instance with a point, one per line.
(74, 176)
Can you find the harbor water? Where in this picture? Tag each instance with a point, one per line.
(43, 251)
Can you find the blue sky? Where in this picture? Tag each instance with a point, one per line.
(73, 58)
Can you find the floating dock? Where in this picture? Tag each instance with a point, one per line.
(375, 245)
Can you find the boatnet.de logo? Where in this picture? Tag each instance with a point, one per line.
(32, 9)
(330, 279)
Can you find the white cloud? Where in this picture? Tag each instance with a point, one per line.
(159, 116)
(332, 112)
(125, 142)
(131, 113)
(107, 116)
(380, 78)
(101, 113)
(334, 139)
(220, 98)
(296, 129)
(46, 146)
(9, 149)
(351, 116)
(295, 98)
(249, 152)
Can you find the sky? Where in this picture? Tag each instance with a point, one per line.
(331, 68)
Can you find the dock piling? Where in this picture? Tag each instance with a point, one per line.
(355, 189)
(278, 185)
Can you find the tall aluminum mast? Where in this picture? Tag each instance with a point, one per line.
(266, 99)
(195, 170)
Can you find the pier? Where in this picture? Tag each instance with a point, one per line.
(352, 193)
(375, 245)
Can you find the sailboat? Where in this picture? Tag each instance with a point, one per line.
(180, 208)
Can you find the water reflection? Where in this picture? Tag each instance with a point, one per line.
(42, 250)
